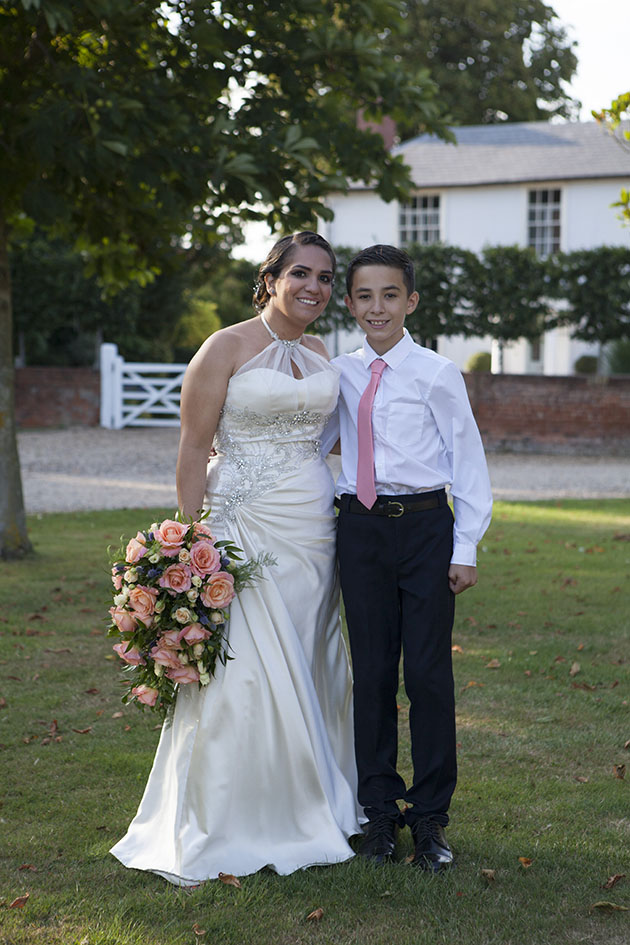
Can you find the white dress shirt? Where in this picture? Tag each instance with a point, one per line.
(425, 435)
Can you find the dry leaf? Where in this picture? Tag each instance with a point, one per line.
(528, 672)
(581, 779)
(608, 907)
(456, 648)
(28, 866)
(619, 771)
(82, 731)
(230, 880)
(525, 861)
(197, 930)
(470, 684)
(580, 646)
(490, 875)
(91, 692)
(117, 715)
(613, 880)
(493, 664)
(20, 902)
(627, 745)
(575, 668)
(315, 915)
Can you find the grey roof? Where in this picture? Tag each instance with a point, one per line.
(511, 153)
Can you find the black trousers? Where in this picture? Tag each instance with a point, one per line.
(394, 580)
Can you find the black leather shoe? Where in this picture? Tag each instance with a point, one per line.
(379, 842)
(432, 851)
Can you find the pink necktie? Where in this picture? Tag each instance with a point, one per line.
(366, 493)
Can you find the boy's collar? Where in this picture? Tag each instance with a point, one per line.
(394, 356)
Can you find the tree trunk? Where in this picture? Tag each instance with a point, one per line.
(13, 536)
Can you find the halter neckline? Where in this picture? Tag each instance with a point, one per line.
(288, 343)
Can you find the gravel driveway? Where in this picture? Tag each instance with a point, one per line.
(93, 468)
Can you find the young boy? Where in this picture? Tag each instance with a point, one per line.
(401, 559)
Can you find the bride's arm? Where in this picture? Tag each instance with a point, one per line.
(203, 394)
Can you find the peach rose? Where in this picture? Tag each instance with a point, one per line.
(195, 633)
(165, 656)
(123, 619)
(145, 694)
(171, 535)
(176, 578)
(219, 590)
(136, 549)
(200, 530)
(133, 656)
(116, 579)
(204, 558)
(142, 602)
(184, 674)
(171, 638)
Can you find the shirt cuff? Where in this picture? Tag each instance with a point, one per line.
(464, 554)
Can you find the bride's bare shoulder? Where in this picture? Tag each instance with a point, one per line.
(224, 348)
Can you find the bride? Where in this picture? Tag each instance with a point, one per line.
(257, 769)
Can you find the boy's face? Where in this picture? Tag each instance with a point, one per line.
(380, 303)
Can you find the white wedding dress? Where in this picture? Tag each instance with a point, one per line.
(258, 768)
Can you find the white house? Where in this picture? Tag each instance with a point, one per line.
(537, 184)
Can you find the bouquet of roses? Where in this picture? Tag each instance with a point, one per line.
(173, 585)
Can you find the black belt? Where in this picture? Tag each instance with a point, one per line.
(393, 506)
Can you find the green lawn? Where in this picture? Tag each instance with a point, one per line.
(541, 659)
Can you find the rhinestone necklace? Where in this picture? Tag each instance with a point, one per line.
(292, 343)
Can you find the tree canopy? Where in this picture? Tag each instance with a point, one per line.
(128, 128)
(493, 60)
(616, 119)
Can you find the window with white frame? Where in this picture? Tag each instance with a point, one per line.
(419, 220)
(543, 221)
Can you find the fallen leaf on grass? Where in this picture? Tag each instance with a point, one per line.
(197, 930)
(117, 715)
(493, 664)
(490, 875)
(20, 902)
(605, 906)
(580, 646)
(82, 731)
(456, 648)
(613, 880)
(230, 880)
(472, 683)
(28, 866)
(316, 915)
(575, 669)
(91, 692)
(3, 702)
(525, 861)
(619, 771)
(559, 659)
(627, 745)
(581, 779)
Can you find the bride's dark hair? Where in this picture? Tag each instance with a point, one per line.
(278, 257)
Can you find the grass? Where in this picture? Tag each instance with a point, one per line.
(541, 663)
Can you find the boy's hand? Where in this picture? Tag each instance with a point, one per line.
(461, 577)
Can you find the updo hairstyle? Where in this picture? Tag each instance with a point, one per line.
(278, 258)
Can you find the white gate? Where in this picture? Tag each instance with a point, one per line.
(135, 394)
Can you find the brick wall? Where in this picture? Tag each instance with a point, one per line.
(526, 413)
(533, 413)
(57, 397)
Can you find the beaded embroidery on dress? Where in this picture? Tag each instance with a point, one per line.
(258, 768)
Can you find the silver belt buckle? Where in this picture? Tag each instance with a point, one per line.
(400, 510)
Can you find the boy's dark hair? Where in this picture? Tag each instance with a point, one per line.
(383, 255)
(278, 257)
